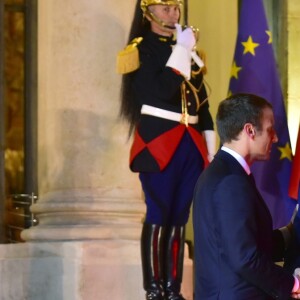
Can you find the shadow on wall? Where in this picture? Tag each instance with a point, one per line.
(83, 152)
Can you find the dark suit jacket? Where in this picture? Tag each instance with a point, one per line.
(292, 257)
(234, 242)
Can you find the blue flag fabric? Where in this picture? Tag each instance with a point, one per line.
(254, 71)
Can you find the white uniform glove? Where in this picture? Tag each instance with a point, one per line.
(185, 38)
(183, 52)
(180, 59)
(210, 139)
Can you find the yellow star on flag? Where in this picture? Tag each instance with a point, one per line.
(249, 46)
(286, 152)
(235, 70)
(269, 33)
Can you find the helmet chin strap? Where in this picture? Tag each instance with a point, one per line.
(159, 21)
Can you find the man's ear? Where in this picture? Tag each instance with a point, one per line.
(249, 129)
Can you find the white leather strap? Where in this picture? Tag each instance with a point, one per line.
(166, 114)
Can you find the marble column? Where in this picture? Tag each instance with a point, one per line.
(86, 190)
(90, 206)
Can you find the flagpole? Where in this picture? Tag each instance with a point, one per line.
(185, 13)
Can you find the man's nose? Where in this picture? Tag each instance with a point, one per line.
(275, 138)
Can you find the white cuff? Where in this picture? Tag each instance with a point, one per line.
(210, 139)
(180, 60)
(197, 59)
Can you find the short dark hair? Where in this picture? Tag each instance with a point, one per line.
(237, 110)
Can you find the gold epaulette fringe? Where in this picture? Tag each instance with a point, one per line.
(128, 58)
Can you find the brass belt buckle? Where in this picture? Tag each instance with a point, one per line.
(185, 119)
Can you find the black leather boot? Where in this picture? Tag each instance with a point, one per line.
(151, 254)
(174, 262)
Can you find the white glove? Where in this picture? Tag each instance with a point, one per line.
(180, 59)
(210, 139)
(185, 38)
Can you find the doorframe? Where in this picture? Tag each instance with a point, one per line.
(30, 9)
(2, 126)
(30, 94)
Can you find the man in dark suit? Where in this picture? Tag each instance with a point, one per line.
(235, 245)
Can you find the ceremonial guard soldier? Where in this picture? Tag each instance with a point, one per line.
(164, 99)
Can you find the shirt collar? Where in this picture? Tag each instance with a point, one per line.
(239, 158)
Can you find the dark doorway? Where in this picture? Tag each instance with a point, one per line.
(18, 115)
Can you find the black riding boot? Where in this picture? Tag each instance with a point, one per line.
(151, 247)
(174, 262)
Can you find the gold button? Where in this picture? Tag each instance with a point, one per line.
(189, 103)
(187, 91)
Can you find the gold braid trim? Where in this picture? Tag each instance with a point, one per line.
(184, 110)
(195, 93)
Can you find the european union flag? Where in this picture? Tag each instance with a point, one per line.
(254, 71)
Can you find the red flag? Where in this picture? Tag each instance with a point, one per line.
(295, 174)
